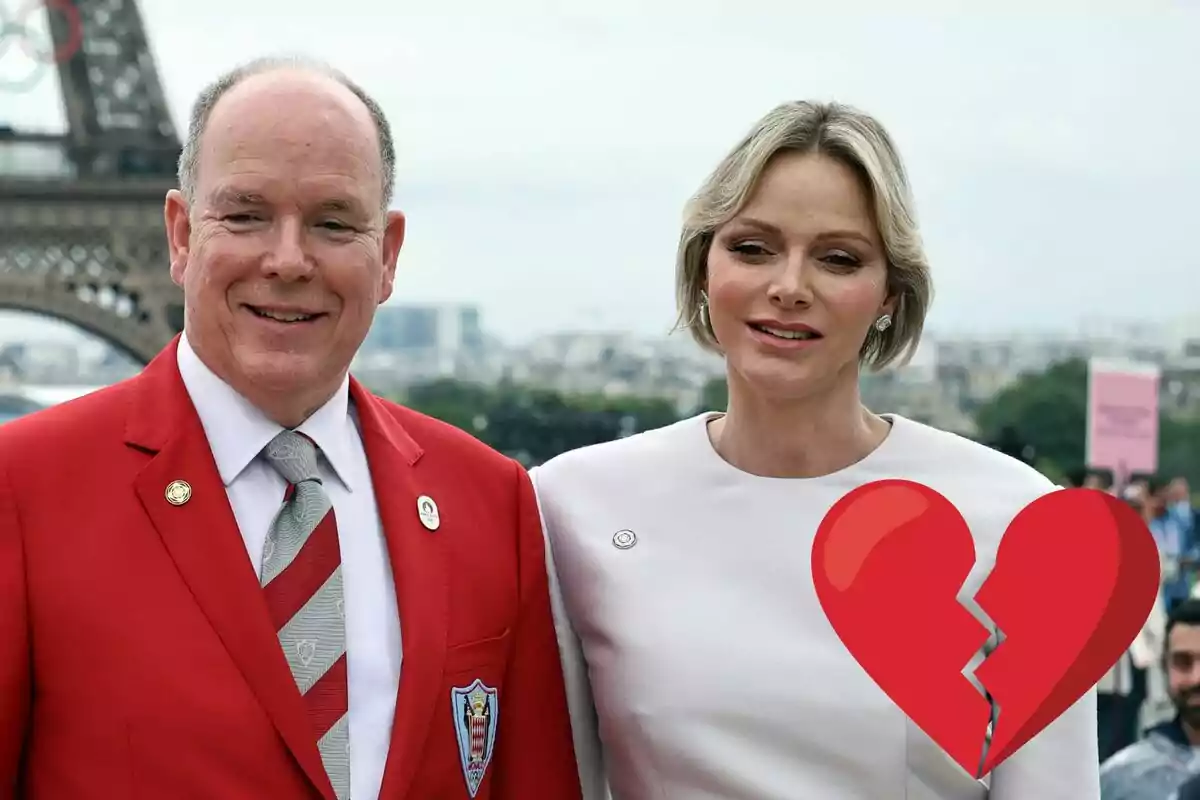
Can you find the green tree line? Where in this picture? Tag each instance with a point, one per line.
(1041, 418)
(534, 425)
(1048, 411)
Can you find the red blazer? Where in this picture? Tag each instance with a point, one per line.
(137, 658)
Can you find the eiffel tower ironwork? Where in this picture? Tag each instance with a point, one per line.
(81, 225)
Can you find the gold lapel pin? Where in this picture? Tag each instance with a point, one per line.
(427, 510)
(178, 492)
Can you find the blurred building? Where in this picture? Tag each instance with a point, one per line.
(1179, 387)
(615, 364)
(441, 328)
(410, 343)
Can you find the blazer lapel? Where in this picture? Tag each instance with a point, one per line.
(421, 574)
(200, 533)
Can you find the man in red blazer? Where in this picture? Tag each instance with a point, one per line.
(240, 575)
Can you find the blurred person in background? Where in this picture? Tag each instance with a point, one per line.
(1158, 765)
(1174, 539)
(1178, 497)
(1098, 479)
(1189, 790)
(1135, 488)
(1123, 692)
(700, 663)
(242, 575)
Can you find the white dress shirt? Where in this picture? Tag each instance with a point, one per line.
(237, 433)
(1145, 652)
(699, 662)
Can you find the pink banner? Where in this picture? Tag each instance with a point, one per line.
(1122, 430)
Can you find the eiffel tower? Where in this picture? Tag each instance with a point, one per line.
(81, 226)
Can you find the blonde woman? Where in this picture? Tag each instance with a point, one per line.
(701, 664)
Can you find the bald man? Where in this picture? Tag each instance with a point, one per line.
(242, 575)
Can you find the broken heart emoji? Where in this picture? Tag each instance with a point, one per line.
(1075, 579)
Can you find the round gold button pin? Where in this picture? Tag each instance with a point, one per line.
(427, 510)
(178, 493)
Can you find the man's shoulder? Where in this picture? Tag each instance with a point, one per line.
(1142, 761)
(1132, 756)
(96, 415)
(437, 438)
(1190, 790)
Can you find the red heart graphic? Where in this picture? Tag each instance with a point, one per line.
(1075, 579)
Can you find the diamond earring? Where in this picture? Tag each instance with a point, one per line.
(883, 323)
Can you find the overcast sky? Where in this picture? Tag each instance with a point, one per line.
(546, 149)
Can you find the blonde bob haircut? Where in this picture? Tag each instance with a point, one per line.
(857, 140)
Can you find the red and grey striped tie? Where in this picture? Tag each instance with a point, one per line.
(302, 581)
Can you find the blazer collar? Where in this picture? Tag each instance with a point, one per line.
(162, 407)
(199, 532)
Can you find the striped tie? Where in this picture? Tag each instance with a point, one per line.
(302, 581)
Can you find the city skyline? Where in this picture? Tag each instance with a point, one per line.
(545, 155)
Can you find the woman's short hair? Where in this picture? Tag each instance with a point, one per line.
(857, 140)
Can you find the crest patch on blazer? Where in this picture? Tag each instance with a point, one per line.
(475, 712)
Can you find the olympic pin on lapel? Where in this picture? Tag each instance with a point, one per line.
(427, 510)
(178, 492)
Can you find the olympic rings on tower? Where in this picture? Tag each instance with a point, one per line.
(40, 49)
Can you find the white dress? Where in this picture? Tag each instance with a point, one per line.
(700, 665)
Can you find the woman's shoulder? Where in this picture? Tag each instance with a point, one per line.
(649, 451)
(948, 457)
(586, 494)
(987, 487)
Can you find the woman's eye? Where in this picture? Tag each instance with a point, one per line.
(751, 249)
(840, 258)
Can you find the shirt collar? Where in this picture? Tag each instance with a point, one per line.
(238, 431)
(1172, 730)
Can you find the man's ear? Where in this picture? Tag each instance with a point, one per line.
(179, 231)
(393, 240)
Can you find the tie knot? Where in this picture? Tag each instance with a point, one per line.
(294, 456)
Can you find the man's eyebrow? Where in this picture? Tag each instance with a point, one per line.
(341, 204)
(233, 197)
(227, 196)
